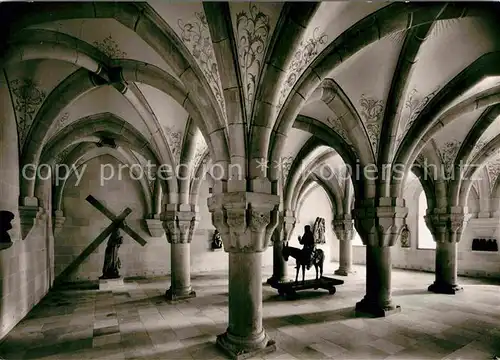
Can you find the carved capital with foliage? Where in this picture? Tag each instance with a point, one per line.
(446, 226)
(381, 225)
(245, 220)
(343, 228)
(179, 226)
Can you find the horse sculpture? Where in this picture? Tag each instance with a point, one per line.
(302, 260)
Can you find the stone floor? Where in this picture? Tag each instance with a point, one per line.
(136, 323)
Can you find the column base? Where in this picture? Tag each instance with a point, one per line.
(344, 272)
(173, 296)
(444, 288)
(372, 309)
(240, 349)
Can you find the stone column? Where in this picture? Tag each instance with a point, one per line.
(282, 234)
(246, 222)
(59, 220)
(379, 228)
(446, 228)
(180, 223)
(344, 229)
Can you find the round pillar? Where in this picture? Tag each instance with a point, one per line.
(179, 227)
(345, 258)
(377, 301)
(446, 269)
(245, 298)
(180, 287)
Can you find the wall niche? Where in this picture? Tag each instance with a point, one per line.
(484, 245)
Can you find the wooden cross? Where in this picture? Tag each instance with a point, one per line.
(118, 222)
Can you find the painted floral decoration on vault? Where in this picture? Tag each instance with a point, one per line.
(336, 124)
(196, 36)
(110, 47)
(253, 32)
(476, 149)
(448, 152)
(493, 172)
(27, 99)
(174, 140)
(61, 122)
(284, 165)
(201, 150)
(306, 52)
(371, 112)
(415, 104)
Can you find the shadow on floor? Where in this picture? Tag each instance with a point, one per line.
(404, 292)
(80, 285)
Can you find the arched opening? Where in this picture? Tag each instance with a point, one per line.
(425, 240)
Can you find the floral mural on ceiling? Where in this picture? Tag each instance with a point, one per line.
(371, 114)
(252, 30)
(174, 140)
(493, 168)
(448, 152)
(201, 150)
(415, 103)
(195, 34)
(27, 98)
(110, 47)
(307, 50)
(61, 121)
(284, 165)
(336, 124)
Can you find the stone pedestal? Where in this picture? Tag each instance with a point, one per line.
(379, 227)
(111, 284)
(344, 229)
(446, 230)
(179, 223)
(246, 222)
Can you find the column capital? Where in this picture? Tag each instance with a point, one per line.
(179, 225)
(343, 227)
(380, 225)
(245, 220)
(446, 225)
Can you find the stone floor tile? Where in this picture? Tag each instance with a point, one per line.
(137, 323)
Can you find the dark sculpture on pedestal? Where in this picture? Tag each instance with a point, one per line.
(216, 241)
(5, 218)
(112, 264)
(484, 245)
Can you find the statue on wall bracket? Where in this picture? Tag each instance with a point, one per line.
(216, 241)
(319, 231)
(405, 237)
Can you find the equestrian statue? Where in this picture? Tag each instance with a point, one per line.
(307, 256)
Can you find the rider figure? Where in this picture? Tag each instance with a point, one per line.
(308, 245)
